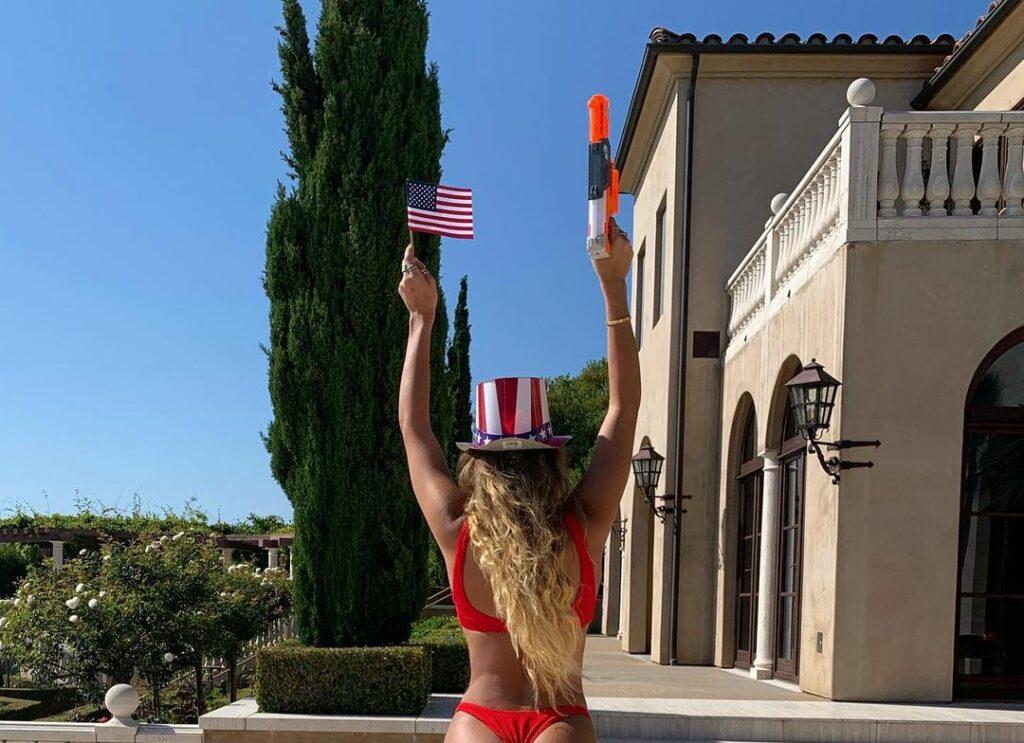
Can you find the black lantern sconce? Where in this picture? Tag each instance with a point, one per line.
(647, 464)
(812, 397)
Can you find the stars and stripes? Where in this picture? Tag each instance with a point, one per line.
(440, 210)
(512, 414)
(512, 406)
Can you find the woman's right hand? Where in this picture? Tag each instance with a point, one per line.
(417, 288)
(612, 271)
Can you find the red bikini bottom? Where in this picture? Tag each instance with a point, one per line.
(519, 726)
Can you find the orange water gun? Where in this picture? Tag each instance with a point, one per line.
(602, 180)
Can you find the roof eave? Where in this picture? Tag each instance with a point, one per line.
(961, 55)
(643, 81)
(653, 49)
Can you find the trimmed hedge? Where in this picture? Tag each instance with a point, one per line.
(335, 681)
(449, 655)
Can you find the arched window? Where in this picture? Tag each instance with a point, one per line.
(748, 542)
(791, 516)
(990, 611)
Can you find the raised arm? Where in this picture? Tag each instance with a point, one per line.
(605, 481)
(436, 491)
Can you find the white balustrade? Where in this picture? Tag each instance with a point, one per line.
(989, 185)
(1013, 178)
(122, 701)
(912, 188)
(810, 216)
(957, 184)
(903, 175)
(888, 183)
(746, 288)
(937, 192)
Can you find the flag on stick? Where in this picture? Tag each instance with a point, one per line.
(440, 210)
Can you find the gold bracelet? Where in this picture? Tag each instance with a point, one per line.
(619, 321)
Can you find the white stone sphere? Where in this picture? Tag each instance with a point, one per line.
(861, 92)
(777, 202)
(121, 700)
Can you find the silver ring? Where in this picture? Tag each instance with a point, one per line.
(407, 268)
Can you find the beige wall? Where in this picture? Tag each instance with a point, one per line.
(756, 134)
(906, 354)
(920, 319)
(904, 326)
(807, 325)
(741, 161)
(644, 583)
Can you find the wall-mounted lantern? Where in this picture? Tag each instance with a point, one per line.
(812, 397)
(647, 464)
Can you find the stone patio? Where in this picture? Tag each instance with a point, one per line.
(632, 699)
(609, 672)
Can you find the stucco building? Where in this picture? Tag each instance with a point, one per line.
(783, 215)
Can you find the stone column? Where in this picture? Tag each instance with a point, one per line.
(273, 557)
(226, 556)
(58, 555)
(612, 586)
(634, 621)
(291, 563)
(767, 588)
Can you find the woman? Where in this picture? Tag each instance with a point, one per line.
(522, 548)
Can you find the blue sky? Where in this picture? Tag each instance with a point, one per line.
(139, 151)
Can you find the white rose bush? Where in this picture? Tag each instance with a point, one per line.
(145, 610)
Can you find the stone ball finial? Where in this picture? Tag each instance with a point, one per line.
(122, 700)
(861, 92)
(778, 200)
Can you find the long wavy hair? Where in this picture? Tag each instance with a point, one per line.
(515, 506)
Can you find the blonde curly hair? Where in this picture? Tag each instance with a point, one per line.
(515, 506)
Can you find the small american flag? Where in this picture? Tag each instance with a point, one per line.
(440, 210)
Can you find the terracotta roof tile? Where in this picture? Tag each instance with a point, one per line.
(664, 36)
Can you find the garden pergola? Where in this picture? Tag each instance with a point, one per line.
(57, 537)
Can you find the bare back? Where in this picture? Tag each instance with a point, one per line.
(497, 677)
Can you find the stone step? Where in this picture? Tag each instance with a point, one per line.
(653, 719)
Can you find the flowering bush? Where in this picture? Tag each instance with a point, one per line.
(149, 608)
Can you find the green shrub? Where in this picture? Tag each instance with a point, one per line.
(449, 656)
(361, 681)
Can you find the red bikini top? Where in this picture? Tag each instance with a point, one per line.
(472, 618)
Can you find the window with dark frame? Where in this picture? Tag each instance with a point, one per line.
(792, 459)
(748, 543)
(659, 261)
(990, 607)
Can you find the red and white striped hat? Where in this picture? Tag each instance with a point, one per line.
(512, 413)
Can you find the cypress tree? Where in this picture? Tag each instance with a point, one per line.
(459, 377)
(362, 114)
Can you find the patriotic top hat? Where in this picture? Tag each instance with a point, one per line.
(511, 414)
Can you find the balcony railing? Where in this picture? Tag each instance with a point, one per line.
(122, 701)
(876, 180)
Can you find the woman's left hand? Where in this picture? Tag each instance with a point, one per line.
(417, 288)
